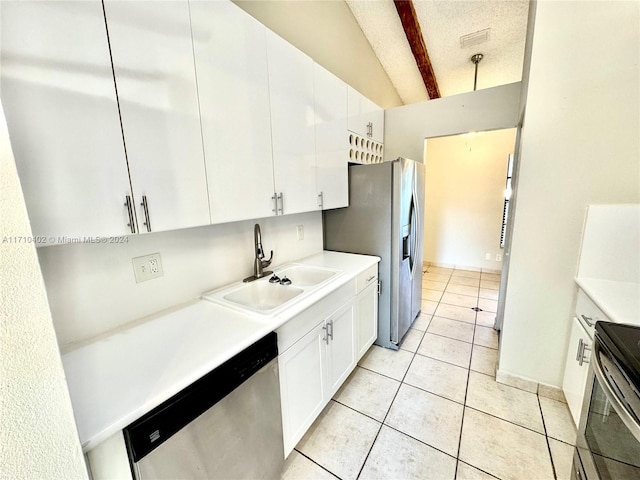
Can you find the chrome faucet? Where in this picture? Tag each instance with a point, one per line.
(259, 262)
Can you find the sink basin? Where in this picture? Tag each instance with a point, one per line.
(263, 295)
(304, 276)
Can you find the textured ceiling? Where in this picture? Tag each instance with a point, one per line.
(443, 22)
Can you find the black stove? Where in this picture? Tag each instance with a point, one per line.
(623, 343)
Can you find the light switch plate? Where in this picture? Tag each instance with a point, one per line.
(147, 267)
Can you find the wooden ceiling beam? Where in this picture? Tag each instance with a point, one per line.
(409, 20)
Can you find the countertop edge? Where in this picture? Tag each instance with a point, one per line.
(263, 325)
(614, 298)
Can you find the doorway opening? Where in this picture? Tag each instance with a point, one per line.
(465, 190)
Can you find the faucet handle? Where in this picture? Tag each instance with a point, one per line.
(266, 263)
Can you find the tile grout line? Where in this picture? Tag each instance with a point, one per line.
(402, 382)
(457, 339)
(504, 420)
(356, 410)
(546, 437)
(313, 461)
(466, 392)
(387, 412)
(371, 447)
(391, 427)
(390, 405)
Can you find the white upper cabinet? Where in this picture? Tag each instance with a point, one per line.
(373, 118)
(292, 125)
(365, 117)
(61, 110)
(233, 84)
(155, 77)
(330, 101)
(366, 122)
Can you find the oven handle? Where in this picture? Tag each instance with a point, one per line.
(609, 391)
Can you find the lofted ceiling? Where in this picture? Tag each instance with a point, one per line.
(495, 28)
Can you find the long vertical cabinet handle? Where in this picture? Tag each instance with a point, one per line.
(281, 198)
(321, 200)
(129, 205)
(145, 207)
(330, 330)
(274, 198)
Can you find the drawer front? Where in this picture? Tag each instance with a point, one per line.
(366, 278)
(588, 313)
(299, 326)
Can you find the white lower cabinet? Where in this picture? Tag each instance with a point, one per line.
(313, 369)
(320, 347)
(576, 368)
(303, 385)
(367, 319)
(367, 310)
(341, 351)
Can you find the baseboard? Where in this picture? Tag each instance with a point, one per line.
(426, 265)
(542, 389)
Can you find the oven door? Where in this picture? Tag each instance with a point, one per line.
(608, 445)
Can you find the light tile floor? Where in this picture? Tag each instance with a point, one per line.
(433, 410)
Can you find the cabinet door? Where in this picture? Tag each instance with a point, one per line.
(60, 105)
(155, 77)
(231, 64)
(362, 112)
(354, 115)
(372, 115)
(575, 375)
(330, 105)
(303, 390)
(341, 357)
(367, 319)
(292, 125)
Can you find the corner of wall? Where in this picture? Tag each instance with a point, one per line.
(39, 437)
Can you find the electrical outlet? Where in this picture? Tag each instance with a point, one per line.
(498, 257)
(487, 256)
(147, 267)
(300, 232)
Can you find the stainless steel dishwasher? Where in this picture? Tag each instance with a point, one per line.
(227, 425)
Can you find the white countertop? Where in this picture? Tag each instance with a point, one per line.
(619, 301)
(118, 378)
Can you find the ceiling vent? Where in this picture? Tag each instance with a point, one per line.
(475, 38)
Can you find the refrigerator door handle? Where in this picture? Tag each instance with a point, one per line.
(414, 233)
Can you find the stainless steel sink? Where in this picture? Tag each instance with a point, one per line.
(263, 295)
(305, 276)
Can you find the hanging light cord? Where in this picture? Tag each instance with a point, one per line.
(476, 60)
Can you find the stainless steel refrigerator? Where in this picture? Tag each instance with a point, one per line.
(385, 218)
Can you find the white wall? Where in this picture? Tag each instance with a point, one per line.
(406, 127)
(92, 288)
(38, 437)
(464, 198)
(610, 230)
(580, 145)
(327, 31)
